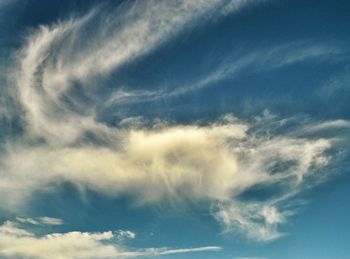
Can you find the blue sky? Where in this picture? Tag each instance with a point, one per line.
(174, 129)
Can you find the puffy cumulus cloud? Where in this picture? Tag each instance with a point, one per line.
(16, 242)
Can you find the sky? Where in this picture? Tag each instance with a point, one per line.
(174, 129)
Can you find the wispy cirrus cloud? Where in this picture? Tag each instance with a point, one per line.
(260, 59)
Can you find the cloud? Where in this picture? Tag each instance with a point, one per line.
(18, 242)
(334, 124)
(236, 64)
(217, 161)
(258, 60)
(40, 221)
(170, 159)
(55, 58)
(256, 221)
(167, 251)
(51, 221)
(27, 221)
(122, 234)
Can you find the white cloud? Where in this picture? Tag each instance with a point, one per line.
(334, 124)
(122, 234)
(195, 160)
(55, 56)
(57, 245)
(51, 221)
(217, 162)
(251, 220)
(27, 221)
(169, 251)
(40, 221)
(258, 60)
(18, 242)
